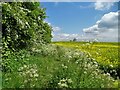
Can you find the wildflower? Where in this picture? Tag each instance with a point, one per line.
(76, 53)
(27, 72)
(96, 65)
(25, 66)
(70, 56)
(64, 85)
(77, 62)
(63, 80)
(36, 75)
(87, 44)
(69, 81)
(111, 66)
(21, 68)
(31, 75)
(108, 74)
(25, 81)
(85, 72)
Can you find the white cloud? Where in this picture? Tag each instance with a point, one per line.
(65, 36)
(99, 5)
(68, 37)
(45, 21)
(106, 28)
(92, 30)
(56, 29)
(103, 5)
(109, 21)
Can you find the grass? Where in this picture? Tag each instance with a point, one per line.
(105, 53)
(51, 66)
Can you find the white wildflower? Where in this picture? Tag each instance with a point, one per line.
(36, 75)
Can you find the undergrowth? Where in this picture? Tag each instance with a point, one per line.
(51, 66)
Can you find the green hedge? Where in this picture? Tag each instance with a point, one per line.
(23, 25)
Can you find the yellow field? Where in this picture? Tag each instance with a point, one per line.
(106, 54)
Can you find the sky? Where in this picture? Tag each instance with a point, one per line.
(83, 20)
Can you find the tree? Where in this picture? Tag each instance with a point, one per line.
(23, 25)
(74, 39)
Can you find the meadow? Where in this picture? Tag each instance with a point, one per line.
(53, 66)
(105, 53)
(30, 60)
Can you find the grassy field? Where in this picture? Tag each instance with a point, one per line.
(105, 53)
(53, 66)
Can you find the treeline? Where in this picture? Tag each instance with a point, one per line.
(23, 25)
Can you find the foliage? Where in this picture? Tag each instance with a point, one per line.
(23, 27)
(51, 66)
(23, 24)
(74, 39)
(43, 65)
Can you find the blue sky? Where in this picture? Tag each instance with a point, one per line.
(74, 19)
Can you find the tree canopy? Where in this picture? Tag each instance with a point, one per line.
(23, 25)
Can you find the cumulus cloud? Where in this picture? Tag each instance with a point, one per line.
(103, 5)
(109, 21)
(91, 30)
(106, 27)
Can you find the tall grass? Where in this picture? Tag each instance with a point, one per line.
(51, 66)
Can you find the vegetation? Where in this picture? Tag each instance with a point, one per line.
(22, 27)
(105, 53)
(51, 66)
(23, 24)
(29, 60)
